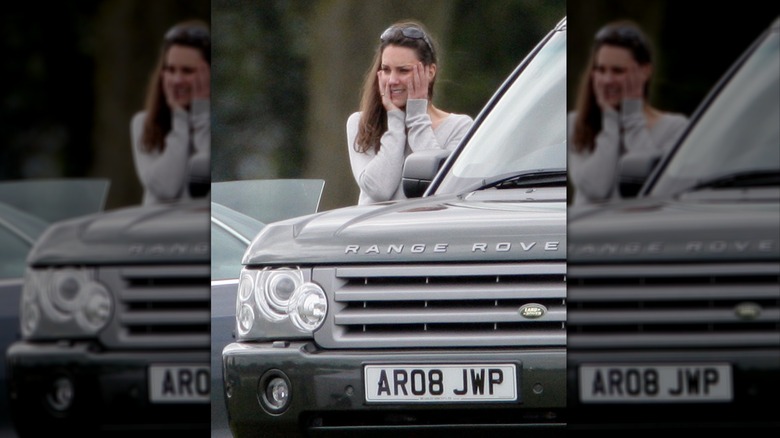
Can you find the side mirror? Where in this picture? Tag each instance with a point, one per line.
(200, 175)
(634, 171)
(419, 170)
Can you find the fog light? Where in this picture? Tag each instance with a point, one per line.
(274, 392)
(60, 397)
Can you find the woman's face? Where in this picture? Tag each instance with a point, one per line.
(180, 73)
(615, 71)
(396, 70)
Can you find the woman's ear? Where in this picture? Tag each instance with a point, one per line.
(431, 71)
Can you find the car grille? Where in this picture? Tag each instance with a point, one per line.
(673, 306)
(158, 307)
(452, 305)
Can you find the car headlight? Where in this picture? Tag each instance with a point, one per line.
(62, 303)
(278, 303)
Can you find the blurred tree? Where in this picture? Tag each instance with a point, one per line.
(46, 92)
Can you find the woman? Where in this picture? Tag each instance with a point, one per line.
(397, 115)
(613, 118)
(173, 131)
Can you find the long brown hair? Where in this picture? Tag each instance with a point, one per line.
(373, 118)
(625, 34)
(190, 33)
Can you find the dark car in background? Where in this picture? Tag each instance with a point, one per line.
(674, 296)
(27, 208)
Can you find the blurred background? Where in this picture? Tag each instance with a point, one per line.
(289, 73)
(73, 76)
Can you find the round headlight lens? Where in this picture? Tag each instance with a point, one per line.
(308, 307)
(245, 286)
(31, 317)
(245, 318)
(64, 293)
(96, 311)
(277, 288)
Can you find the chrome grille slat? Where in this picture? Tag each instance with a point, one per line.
(453, 292)
(441, 316)
(169, 294)
(679, 317)
(395, 306)
(450, 270)
(176, 318)
(463, 340)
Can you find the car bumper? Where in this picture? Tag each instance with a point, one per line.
(328, 397)
(750, 378)
(110, 390)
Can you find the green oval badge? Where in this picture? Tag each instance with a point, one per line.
(532, 311)
(747, 311)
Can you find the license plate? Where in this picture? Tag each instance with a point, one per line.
(179, 384)
(440, 383)
(655, 383)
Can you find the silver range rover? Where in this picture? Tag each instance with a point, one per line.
(442, 313)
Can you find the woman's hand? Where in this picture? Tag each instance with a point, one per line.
(634, 82)
(384, 92)
(600, 91)
(417, 88)
(201, 87)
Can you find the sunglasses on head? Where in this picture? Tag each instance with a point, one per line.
(414, 33)
(188, 35)
(624, 34)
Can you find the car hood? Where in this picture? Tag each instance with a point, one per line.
(175, 233)
(733, 225)
(494, 225)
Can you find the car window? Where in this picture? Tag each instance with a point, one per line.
(56, 199)
(269, 200)
(526, 127)
(738, 134)
(18, 233)
(227, 249)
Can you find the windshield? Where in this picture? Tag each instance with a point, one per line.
(525, 131)
(737, 139)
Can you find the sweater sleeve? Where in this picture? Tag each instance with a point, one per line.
(200, 120)
(163, 174)
(648, 143)
(419, 126)
(593, 174)
(378, 174)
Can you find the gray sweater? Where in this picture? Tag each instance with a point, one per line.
(164, 174)
(379, 174)
(594, 174)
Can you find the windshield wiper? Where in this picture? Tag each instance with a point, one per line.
(526, 178)
(752, 178)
